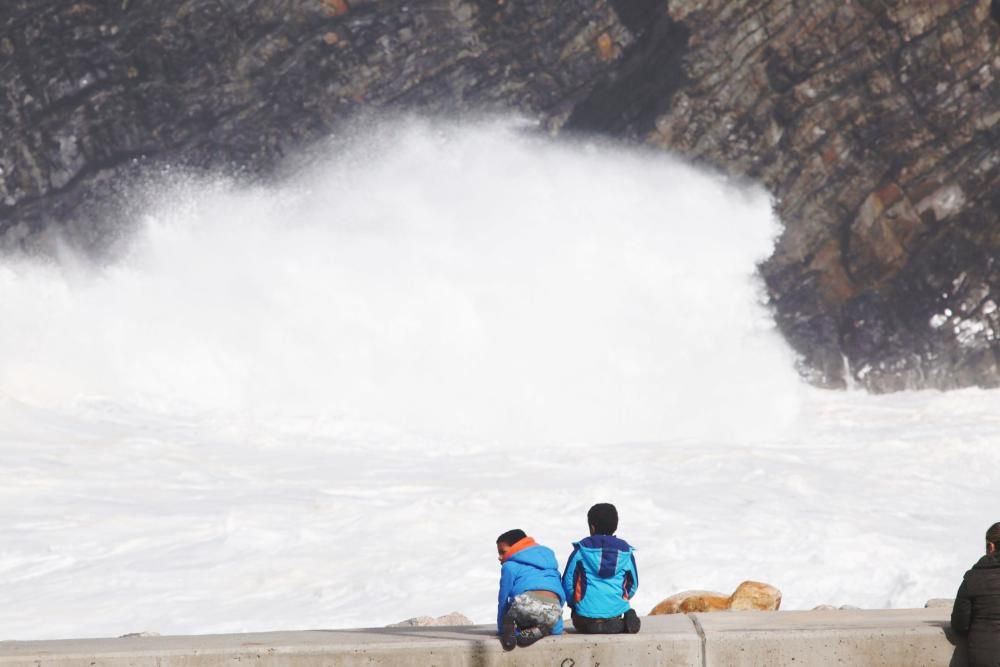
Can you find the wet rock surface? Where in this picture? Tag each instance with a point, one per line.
(876, 125)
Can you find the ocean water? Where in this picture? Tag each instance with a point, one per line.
(315, 404)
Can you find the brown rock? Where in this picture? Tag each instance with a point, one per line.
(337, 7)
(605, 46)
(692, 601)
(748, 595)
(755, 595)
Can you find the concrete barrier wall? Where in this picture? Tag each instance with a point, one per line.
(885, 638)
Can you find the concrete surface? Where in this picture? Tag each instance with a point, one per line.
(896, 637)
(889, 638)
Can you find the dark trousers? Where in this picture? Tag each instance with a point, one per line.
(598, 626)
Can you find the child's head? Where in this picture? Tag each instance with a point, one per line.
(993, 539)
(603, 519)
(507, 540)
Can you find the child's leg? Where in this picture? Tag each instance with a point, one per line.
(508, 631)
(535, 617)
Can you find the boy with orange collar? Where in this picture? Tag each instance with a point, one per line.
(531, 597)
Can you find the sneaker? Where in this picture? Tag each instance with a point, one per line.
(529, 636)
(632, 622)
(508, 632)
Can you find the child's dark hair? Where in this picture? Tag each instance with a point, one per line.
(604, 518)
(993, 535)
(511, 537)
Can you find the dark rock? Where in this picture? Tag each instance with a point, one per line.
(876, 126)
(94, 89)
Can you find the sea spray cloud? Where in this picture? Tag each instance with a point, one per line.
(466, 279)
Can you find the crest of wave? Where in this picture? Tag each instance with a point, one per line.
(469, 279)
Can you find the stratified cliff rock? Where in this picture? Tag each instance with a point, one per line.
(93, 89)
(875, 123)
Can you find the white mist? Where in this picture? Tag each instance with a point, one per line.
(451, 280)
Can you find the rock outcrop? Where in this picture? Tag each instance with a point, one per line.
(876, 125)
(92, 90)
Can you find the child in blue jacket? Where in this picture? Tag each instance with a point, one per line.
(530, 603)
(601, 577)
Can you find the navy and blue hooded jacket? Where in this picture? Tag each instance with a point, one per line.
(600, 577)
(528, 566)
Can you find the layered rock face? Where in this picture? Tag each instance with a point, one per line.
(94, 89)
(875, 124)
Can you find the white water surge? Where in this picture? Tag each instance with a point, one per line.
(317, 404)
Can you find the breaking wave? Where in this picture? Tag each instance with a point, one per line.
(472, 279)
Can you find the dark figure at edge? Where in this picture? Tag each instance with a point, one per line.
(976, 613)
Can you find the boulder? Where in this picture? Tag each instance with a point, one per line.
(686, 602)
(755, 595)
(748, 595)
(454, 618)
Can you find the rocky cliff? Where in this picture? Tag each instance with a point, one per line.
(875, 123)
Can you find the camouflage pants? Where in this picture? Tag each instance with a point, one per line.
(532, 610)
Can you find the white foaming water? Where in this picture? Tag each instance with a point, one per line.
(316, 405)
(471, 281)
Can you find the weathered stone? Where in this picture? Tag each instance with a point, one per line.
(337, 7)
(452, 619)
(874, 126)
(755, 595)
(748, 595)
(691, 601)
(97, 92)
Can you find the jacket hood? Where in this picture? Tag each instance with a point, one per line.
(527, 552)
(600, 553)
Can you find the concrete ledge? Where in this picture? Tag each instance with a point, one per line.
(896, 637)
(891, 638)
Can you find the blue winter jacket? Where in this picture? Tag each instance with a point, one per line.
(528, 567)
(600, 577)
